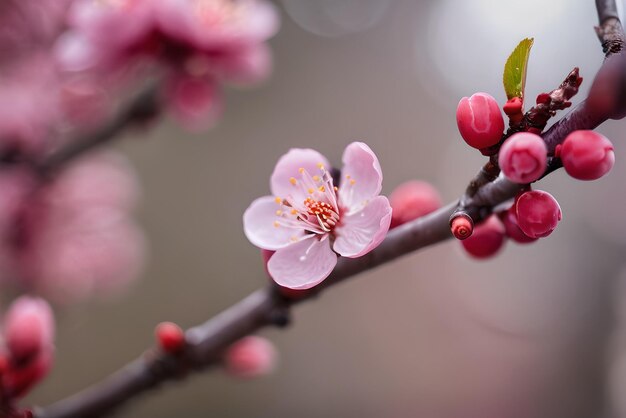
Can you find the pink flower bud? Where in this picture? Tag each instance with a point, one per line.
(479, 120)
(250, 357)
(170, 337)
(461, 226)
(513, 231)
(538, 213)
(587, 155)
(29, 328)
(486, 240)
(523, 157)
(412, 200)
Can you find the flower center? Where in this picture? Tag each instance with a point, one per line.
(324, 212)
(318, 212)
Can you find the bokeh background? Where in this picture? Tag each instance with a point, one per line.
(538, 332)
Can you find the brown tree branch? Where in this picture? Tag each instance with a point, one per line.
(206, 343)
(610, 31)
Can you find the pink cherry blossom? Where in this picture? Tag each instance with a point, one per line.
(78, 239)
(200, 43)
(110, 32)
(308, 221)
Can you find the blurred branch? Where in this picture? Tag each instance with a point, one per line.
(142, 107)
(206, 343)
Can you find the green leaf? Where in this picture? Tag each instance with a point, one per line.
(514, 76)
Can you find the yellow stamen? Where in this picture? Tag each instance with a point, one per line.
(321, 189)
(276, 224)
(279, 212)
(320, 166)
(293, 211)
(301, 170)
(352, 181)
(316, 178)
(293, 181)
(311, 191)
(278, 200)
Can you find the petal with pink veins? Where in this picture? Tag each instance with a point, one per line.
(265, 229)
(289, 165)
(302, 265)
(362, 231)
(361, 176)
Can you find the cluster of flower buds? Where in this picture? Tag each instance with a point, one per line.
(523, 158)
(199, 44)
(27, 353)
(534, 214)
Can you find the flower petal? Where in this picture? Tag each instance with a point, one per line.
(288, 166)
(361, 176)
(260, 227)
(302, 265)
(362, 231)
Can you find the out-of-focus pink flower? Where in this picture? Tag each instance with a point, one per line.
(28, 106)
(27, 25)
(308, 221)
(103, 179)
(28, 327)
(97, 254)
(201, 43)
(250, 357)
(79, 240)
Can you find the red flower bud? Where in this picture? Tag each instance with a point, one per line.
(486, 240)
(461, 226)
(523, 157)
(412, 200)
(479, 120)
(587, 155)
(538, 213)
(511, 227)
(513, 106)
(170, 337)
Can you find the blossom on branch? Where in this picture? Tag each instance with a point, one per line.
(199, 43)
(308, 220)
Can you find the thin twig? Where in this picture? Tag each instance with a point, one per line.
(140, 108)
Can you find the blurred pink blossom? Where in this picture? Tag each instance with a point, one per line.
(79, 239)
(308, 221)
(250, 357)
(201, 43)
